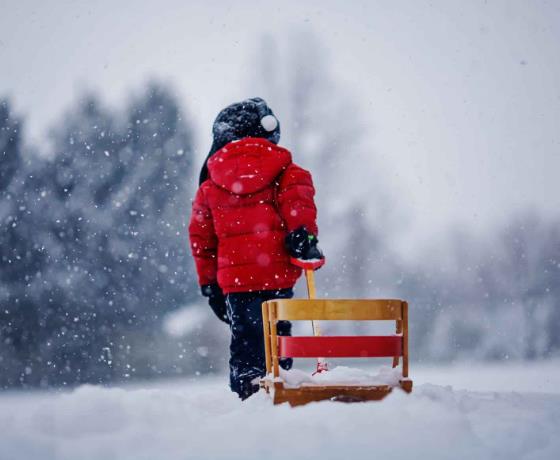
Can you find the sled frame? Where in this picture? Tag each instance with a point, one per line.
(332, 310)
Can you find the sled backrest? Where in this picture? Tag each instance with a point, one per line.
(327, 309)
(393, 346)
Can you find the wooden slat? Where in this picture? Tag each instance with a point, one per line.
(343, 393)
(340, 346)
(405, 340)
(274, 340)
(303, 395)
(325, 309)
(398, 331)
(266, 333)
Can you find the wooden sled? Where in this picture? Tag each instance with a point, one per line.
(276, 347)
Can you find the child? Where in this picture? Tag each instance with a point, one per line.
(254, 210)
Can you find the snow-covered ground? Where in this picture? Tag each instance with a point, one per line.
(491, 412)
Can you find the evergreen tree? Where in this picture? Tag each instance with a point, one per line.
(93, 247)
(119, 196)
(10, 156)
(153, 274)
(81, 178)
(21, 259)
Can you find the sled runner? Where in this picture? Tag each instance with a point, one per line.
(276, 347)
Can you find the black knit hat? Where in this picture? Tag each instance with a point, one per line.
(249, 118)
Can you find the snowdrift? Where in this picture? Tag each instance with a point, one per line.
(203, 420)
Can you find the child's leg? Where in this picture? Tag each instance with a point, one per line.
(247, 340)
(245, 359)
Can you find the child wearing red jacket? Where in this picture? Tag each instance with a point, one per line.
(254, 210)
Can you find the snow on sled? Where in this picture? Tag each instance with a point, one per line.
(322, 347)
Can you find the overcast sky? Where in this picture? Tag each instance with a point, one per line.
(463, 98)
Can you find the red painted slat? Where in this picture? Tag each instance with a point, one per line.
(340, 346)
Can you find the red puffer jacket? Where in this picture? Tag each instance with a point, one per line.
(255, 195)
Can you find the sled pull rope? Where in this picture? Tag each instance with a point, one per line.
(312, 294)
(309, 266)
(322, 365)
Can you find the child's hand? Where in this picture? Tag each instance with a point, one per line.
(216, 300)
(303, 245)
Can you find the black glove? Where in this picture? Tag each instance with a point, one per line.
(216, 300)
(303, 245)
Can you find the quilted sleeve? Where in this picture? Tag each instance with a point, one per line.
(203, 239)
(295, 199)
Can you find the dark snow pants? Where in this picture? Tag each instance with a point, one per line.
(247, 361)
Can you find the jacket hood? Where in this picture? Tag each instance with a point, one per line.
(248, 165)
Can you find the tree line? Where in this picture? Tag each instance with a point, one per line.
(92, 245)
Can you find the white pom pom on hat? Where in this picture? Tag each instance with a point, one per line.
(269, 122)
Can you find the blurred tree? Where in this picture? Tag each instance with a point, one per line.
(11, 328)
(10, 156)
(81, 179)
(484, 297)
(9, 144)
(21, 258)
(95, 245)
(490, 298)
(154, 273)
(323, 126)
(527, 273)
(154, 201)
